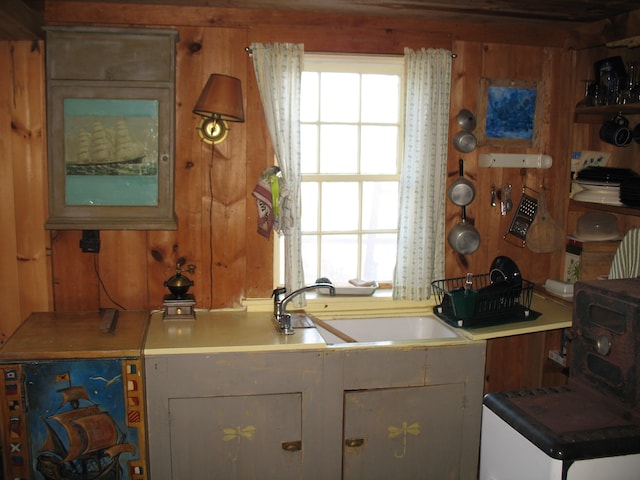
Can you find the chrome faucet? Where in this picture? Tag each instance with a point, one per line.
(282, 318)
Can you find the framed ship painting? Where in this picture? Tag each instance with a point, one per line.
(111, 128)
(111, 152)
(510, 113)
(110, 164)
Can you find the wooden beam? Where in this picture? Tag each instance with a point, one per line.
(20, 22)
(622, 30)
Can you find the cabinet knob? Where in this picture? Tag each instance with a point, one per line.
(294, 446)
(354, 442)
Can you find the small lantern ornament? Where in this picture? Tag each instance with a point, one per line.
(179, 305)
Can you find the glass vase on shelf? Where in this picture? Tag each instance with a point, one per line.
(590, 98)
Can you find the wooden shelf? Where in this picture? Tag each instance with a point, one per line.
(575, 205)
(597, 114)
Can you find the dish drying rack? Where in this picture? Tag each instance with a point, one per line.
(487, 303)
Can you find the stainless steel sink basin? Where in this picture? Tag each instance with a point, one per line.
(381, 329)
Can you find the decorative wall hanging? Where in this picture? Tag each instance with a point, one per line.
(509, 113)
(111, 124)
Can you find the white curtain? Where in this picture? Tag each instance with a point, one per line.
(278, 70)
(421, 224)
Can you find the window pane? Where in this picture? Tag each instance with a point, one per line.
(379, 150)
(309, 96)
(308, 148)
(380, 205)
(309, 199)
(339, 206)
(351, 126)
(310, 257)
(338, 149)
(379, 256)
(340, 97)
(380, 98)
(339, 261)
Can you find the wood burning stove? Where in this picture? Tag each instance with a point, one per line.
(590, 428)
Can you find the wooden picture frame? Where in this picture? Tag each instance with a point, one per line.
(510, 113)
(111, 128)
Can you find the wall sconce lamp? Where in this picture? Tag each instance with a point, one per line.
(220, 102)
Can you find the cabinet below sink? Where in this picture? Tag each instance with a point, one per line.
(378, 412)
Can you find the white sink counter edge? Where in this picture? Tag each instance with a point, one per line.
(239, 330)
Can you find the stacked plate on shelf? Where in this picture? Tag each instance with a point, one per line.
(602, 184)
(630, 191)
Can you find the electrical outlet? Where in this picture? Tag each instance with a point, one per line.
(557, 357)
(90, 242)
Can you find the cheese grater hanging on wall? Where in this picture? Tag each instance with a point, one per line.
(522, 219)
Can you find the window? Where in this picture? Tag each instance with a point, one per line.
(351, 131)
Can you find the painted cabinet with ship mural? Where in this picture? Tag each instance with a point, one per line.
(73, 398)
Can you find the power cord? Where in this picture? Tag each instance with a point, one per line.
(104, 288)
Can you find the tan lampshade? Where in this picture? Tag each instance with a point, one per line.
(221, 99)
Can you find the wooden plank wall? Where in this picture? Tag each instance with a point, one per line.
(25, 276)
(217, 215)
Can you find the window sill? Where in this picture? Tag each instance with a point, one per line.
(344, 306)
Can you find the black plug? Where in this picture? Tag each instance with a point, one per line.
(90, 242)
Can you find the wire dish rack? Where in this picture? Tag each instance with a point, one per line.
(477, 301)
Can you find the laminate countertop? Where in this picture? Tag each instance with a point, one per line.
(236, 330)
(224, 331)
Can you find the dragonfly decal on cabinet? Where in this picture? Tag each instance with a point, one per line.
(404, 430)
(238, 434)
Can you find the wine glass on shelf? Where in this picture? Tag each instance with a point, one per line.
(634, 82)
(590, 98)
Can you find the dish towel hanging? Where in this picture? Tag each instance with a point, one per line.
(626, 261)
(267, 194)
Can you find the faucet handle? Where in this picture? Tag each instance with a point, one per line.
(277, 293)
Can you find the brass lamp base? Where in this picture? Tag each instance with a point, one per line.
(179, 308)
(213, 130)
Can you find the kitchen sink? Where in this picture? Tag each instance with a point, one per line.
(380, 329)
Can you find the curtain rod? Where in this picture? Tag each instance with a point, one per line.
(249, 50)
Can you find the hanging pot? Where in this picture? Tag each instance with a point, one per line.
(462, 192)
(466, 120)
(464, 237)
(465, 142)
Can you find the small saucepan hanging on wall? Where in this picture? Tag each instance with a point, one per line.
(466, 120)
(462, 192)
(465, 142)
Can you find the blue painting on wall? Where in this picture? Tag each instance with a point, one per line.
(510, 112)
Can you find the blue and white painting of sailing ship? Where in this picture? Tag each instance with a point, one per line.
(77, 423)
(111, 152)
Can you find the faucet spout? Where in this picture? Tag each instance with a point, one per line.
(282, 318)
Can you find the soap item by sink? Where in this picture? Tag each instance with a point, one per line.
(559, 288)
(356, 282)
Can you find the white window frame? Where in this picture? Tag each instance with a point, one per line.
(375, 64)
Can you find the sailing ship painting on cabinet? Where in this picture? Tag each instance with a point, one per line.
(111, 151)
(79, 417)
